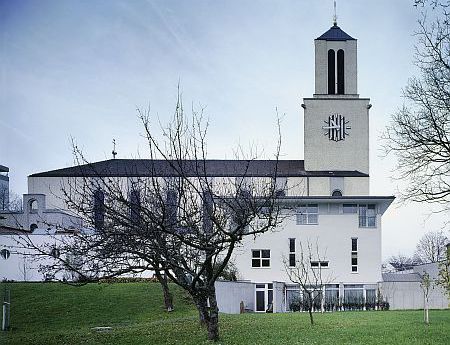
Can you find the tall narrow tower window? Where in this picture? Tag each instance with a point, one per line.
(331, 72)
(340, 72)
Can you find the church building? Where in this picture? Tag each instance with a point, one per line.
(336, 223)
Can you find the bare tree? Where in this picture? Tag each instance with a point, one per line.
(426, 284)
(431, 247)
(310, 275)
(443, 279)
(419, 132)
(173, 218)
(402, 262)
(9, 200)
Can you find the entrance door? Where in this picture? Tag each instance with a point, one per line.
(261, 297)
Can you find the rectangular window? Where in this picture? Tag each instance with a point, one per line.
(321, 264)
(367, 216)
(354, 255)
(308, 214)
(292, 252)
(261, 258)
(354, 244)
(349, 208)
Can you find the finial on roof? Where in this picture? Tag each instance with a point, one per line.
(114, 153)
(335, 16)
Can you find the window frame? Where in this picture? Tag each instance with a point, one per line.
(364, 220)
(260, 258)
(307, 213)
(292, 258)
(354, 255)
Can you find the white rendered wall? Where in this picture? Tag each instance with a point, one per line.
(333, 235)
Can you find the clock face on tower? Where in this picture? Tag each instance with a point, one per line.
(336, 128)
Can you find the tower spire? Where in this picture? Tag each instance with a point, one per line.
(335, 16)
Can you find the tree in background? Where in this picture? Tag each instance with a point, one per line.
(431, 247)
(419, 133)
(443, 279)
(402, 262)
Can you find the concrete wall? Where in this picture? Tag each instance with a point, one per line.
(324, 154)
(409, 295)
(350, 65)
(230, 294)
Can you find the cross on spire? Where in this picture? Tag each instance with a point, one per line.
(335, 16)
(114, 153)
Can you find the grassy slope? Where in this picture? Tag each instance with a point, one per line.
(59, 314)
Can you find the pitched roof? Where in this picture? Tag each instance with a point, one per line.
(335, 33)
(401, 277)
(210, 167)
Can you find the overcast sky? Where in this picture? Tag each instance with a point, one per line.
(80, 68)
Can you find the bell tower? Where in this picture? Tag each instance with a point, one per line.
(336, 119)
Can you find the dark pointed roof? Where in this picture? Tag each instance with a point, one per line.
(335, 34)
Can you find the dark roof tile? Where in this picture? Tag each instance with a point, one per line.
(335, 33)
(212, 168)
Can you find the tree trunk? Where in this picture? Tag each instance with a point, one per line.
(202, 307)
(168, 298)
(310, 309)
(213, 324)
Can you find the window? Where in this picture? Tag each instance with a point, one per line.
(317, 264)
(99, 209)
(367, 216)
(280, 186)
(308, 214)
(340, 72)
(331, 72)
(354, 255)
(292, 252)
(135, 206)
(261, 258)
(336, 192)
(349, 208)
(33, 227)
(5, 254)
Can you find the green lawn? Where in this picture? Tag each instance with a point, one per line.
(51, 313)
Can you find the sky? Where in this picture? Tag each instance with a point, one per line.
(80, 69)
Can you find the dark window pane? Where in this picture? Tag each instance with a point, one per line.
(340, 72)
(354, 244)
(269, 297)
(260, 286)
(314, 264)
(324, 264)
(336, 193)
(266, 253)
(292, 260)
(256, 263)
(260, 296)
(256, 254)
(270, 286)
(331, 72)
(354, 268)
(292, 245)
(354, 261)
(265, 263)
